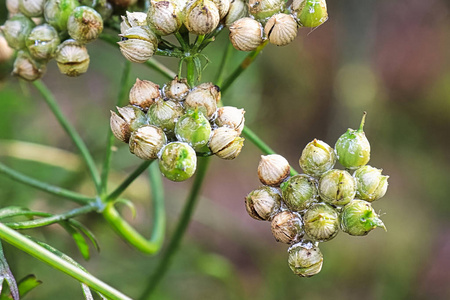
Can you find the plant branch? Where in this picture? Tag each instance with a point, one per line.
(21, 242)
(225, 58)
(53, 105)
(43, 186)
(182, 225)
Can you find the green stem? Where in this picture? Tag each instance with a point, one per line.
(122, 187)
(198, 42)
(182, 225)
(243, 66)
(43, 186)
(182, 42)
(49, 218)
(258, 142)
(190, 71)
(225, 58)
(51, 102)
(19, 241)
(111, 138)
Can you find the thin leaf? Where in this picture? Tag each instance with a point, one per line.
(12, 211)
(6, 274)
(83, 229)
(28, 283)
(78, 238)
(86, 292)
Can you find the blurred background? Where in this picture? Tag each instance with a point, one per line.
(389, 58)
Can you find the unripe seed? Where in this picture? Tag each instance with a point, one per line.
(163, 17)
(305, 259)
(310, 13)
(132, 19)
(32, 8)
(43, 42)
(72, 58)
(226, 143)
(205, 98)
(273, 169)
(238, 10)
(321, 222)
(263, 203)
(337, 187)
(231, 117)
(104, 8)
(85, 24)
(144, 93)
(57, 12)
(246, 34)
(223, 6)
(6, 52)
(133, 116)
(178, 161)
(165, 114)
(119, 127)
(281, 29)
(177, 89)
(353, 148)
(16, 30)
(123, 3)
(287, 227)
(147, 141)
(370, 184)
(202, 17)
(12, 6)
(27, 68)
(138, 44)
(299, 192)
(358, 218)
(262, 10)
(317, 158)
(193, 128)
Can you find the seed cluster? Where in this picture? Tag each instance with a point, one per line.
(309, 208)
(176, 124)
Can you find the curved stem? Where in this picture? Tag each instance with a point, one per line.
(43, 186)
(111, 138)
(182, 225)
(243, 66)
(21, 242)
(53, 105)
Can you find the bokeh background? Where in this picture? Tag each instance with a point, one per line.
(389, 58)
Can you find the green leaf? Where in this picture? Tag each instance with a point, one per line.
(78, 238)
(6, 274)
(83, 229)
(28, 283)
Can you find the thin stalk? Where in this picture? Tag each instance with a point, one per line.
(43, 186)
(225, 58)
(182, 225)
(198, 42)
(243, 66)
(53, 105)
(211, 37)
(21, 242)
(123, 186)
(183, 44)
(190, 71)
(258, 142)
(49, 218)
(110, 138)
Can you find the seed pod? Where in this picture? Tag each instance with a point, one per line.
(205, 98)
(281, 29)
(27, 68)
(370, 184)
(32, 8)
(353, 148)
(273, 169)
(177, 89)
(13, 7)
(321, 222)
(231, 117)
(238, 10)
(299, 192)
(138, 44)
(263, 203)
(132, 19)
(358, 218)
(133, 116)
(104, 8)
(119, 127)
(163, 17)
(84, 24)
(287, 227)
(16, 30)
(193, 128)
(262, 10)
(147, 141)
(337, 187)
(57, 12)
(310, 13)
(165, 114)
(178, 161)
(43, 42)
(223, 6)
(6, 52)
(202, 17)
(226, 143)
(317, 158)
(72, 58)
(246, 34)
(305, 259)
(144, 93)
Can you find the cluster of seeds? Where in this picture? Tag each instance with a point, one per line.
(309, 208)
(41, 30)
(175, 124)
